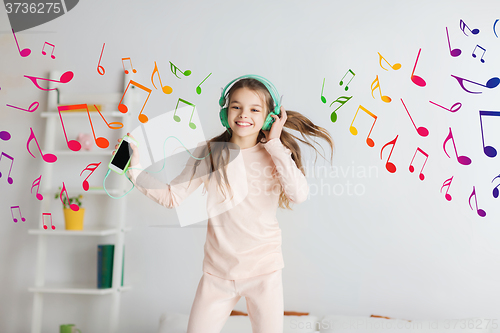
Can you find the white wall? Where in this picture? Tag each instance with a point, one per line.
(397, 249)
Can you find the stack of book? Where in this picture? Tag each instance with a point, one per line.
(105, 255)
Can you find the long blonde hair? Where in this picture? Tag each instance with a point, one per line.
(219, 153)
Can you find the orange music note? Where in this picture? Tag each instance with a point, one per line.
(421, 175)
(53, 49)
(480, 212)
(31, 108)
(422, 131)
(464, 160)
(463, 26)
(354, 130)
(341, 100)
(101, 142)
(375, 85)
(116, 124)
(9, 178)
(174, 70)
(73, 207)
(395, 67)
(123, 108)
(43, 221)
(391, 167)
(178, 119)
(415, 78)
(99, 67)
(13, 218)
(65, 78)
(91, 167)
(37, 184)
(447, 183)
(25, 52)
(342, 81)
(49, 158)
(165, 89)
(131, 66)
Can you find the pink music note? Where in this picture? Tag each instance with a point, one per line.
(474, 54)
(13, 218)
(495, 190)
(492, 83)
(101, 142)
(480, 212)
(73, 207)
(391, 167)
(72, 144)
(447, 183)
(65, 78)
(454, 52)
(422, 131)
(25, 52)
(375, 85)
(37, 184)
(4, 135)
(49, 158)
(489, 151)
(415, 78)
(99, 67)
(131, 66)
(43, 221)
(165, 89)
(91, 167)
(9, 178)
(31, 108)
(53, 49)
(342, 81)
(341, 100)
(116, 124)
(123, 108)
(452, 109)
(421, 175)
(463, 26)
(464, 160)
(354, 130)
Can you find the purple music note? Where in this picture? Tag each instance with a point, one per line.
(492, 83)
(9, 178)
(13, 218)
(464, 160)
(488, 150)
(4, 135)
(480, 212)
(454, 52)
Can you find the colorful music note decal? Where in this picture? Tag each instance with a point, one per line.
(72, 144)
(49, 158)
(415, 78)
(488, 150)
(480, 212)
(198, 88)
(474, 52)
(9, 178)
(454, 52)
(178, 119)
(375, 85)
(494, 26)
(24, 52)
(101, 142)
(452, 109)
(323, 99)
(74, 207)
(31, 108)
(65, 78)
(395, 66)
(4, 135)
(495, 190)
(464, 160)
(123, 108)
(174, 70)
(492, 83)
(447, 183)
(131, 66)
(99, 67)
(53, 49)
(391, 167)
(165, 89)
(341, 100)
(354, 130)
(37, 184)
(13, 218)
(342, 81)
(421, 175)
(422, 131)
(91, 167)
(113, 124)
(463, 26)
(43, 221)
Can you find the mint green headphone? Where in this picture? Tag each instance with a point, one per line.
(270, 87)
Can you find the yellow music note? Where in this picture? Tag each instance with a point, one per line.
(395, 66)
(165, 89)
(375, 85)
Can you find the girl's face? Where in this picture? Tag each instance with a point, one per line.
(246, 113)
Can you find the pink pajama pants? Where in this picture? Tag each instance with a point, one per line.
(216, 297)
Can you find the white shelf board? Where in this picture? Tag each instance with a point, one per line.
(76, 289)
(85, 232)
(75, 114)
(80, 190)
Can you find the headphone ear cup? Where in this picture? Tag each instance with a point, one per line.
(268, 122)
(223, 117)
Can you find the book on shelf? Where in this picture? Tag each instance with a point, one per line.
(105, 255)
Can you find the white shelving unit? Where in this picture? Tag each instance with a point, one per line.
(53, 126)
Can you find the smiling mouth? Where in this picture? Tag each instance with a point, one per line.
(243, 124)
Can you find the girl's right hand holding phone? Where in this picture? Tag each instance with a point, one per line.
(135, 159)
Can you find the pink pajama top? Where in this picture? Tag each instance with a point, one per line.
(243, 234)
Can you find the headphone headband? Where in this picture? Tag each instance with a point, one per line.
(270, 87)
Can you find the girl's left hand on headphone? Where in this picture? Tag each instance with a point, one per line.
(277, 126)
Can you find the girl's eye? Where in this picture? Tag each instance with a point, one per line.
(255, 110)
(234, 107)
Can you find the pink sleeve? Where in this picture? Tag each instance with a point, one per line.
(291, 178)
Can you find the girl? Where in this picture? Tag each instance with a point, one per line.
(243, 246)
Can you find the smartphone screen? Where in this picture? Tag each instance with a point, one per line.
(122, 155)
